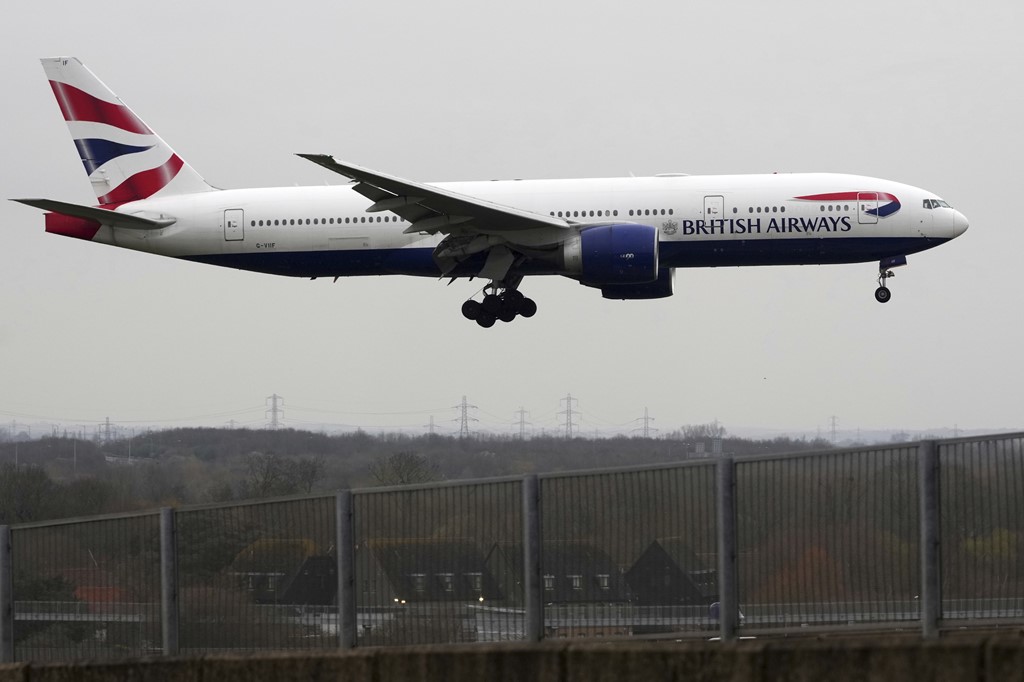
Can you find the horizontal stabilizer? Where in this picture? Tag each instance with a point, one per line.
(101, 215)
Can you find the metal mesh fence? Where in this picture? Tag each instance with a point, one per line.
(87, 589)
(628, 552)
(439, 564)
(828, 539)
(257, 576)
(982, 526)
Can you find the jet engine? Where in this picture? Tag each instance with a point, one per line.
(613, 254)
(659, 288)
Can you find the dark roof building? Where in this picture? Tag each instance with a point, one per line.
(670, 573)
(571, 573)
(405, 570)
(286, 572)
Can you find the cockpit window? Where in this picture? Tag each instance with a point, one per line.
(936, 203)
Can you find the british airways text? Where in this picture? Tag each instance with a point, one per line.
(757, 226)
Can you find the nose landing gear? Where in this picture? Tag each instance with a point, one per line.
(882, 293)
(503, 303)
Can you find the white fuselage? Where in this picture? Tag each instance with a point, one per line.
(702, 220)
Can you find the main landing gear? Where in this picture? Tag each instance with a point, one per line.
(502, 303)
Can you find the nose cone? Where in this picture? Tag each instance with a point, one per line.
(960, 223)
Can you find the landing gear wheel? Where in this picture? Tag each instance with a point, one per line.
(491, 305)
(501, 301)
(509, 306)
(471, 310)
(882, 294)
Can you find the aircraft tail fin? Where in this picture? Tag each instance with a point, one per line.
(124, 158)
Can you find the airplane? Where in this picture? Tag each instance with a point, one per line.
(623, 236)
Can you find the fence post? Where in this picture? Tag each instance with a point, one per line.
(931, 585)
(347, 624)
(6, 597)
(533, 588)
(169, 581)
(728, 609)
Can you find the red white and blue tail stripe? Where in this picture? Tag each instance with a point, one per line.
(125, 160)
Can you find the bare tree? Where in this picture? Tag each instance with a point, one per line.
(266, 476)
(404, 468)
(307, 472)
(271, 474)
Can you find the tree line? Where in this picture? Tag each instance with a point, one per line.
(58, 477)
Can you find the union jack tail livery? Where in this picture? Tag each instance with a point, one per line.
(124, 158)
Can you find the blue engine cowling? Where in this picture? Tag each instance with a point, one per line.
(659, 288)
(614, 254)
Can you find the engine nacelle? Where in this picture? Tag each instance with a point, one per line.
(613, 254)
(659, 288)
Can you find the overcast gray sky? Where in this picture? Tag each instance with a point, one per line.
(927, 93)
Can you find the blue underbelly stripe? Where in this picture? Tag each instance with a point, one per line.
(688, 254)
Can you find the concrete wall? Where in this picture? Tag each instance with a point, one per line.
(839, 660)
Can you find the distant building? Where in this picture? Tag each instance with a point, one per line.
(286, 572)
(411, 570)
(571, 573)
(669, 573)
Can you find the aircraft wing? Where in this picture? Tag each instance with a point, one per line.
(431, 209)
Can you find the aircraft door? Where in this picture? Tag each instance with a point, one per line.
(714, 209)
(234, 224)
(867, 208)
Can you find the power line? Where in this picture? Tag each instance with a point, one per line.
(464, 418)
(646, 430)
(570, 423)
(521, 413)
(276, 411)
